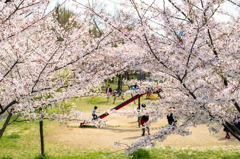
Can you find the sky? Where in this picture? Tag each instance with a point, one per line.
(112, 5)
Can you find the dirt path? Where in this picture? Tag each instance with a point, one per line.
(126, 131)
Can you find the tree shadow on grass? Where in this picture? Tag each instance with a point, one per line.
(115, 130)
(221, 139)
(84, 126)
(133, 122)
(133, 137)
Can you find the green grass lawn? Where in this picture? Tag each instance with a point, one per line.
(114, 85)
(85, 104)
(17, 144)
(21, 140)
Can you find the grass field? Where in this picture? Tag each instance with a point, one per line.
(21, 140)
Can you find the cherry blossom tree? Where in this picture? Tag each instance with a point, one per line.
(195, 52)
(36, 53)
(44, 63)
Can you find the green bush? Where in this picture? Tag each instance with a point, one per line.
(25, 128)
(140, 154)
(232, 157)
(6, 157)
(13, 136)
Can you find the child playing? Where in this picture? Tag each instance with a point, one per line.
(143, 121)
(94, 113)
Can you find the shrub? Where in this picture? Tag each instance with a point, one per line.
(232, 157)
(141, 154)
(13, 136)
(6, 157)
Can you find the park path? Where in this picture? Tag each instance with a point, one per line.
(126, 131)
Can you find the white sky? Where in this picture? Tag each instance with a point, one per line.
(111, 6)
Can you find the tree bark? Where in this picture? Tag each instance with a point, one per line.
(5, 124)
(233, 127)
(127, 75)
(41, 135)
(230, 130)
(119, 82)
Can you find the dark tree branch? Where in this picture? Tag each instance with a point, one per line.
(193, 5)
(72, 62)
(8, 106)
(190, 20)
(49, 13)
(212, 46)
(197, 89)
(230, 130)
(233, 3)
(29, 5)
(183, 92)
(9, 70)
(15, 120)
(95, 23)
(17, 8)
(44, 68)
(1, 107)
(191, 50)
(236, 105)
(233, 127)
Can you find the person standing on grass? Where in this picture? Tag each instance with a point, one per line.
(108, 91)
(144, 119)
(123, 76)
(115, 96)
(150, 77)
(139, 117)
(94, 113)
(170, 117)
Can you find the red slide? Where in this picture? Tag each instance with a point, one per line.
(121, 105)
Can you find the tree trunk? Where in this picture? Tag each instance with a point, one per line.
(5, 124)
(41, 135)
(127, 75)
(119, 82)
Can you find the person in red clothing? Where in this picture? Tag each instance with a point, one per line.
(144, 119)
(123, 76)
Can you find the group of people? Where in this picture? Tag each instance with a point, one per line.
(142, 120)
(115, 94)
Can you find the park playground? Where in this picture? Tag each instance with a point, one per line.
(69, 139)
